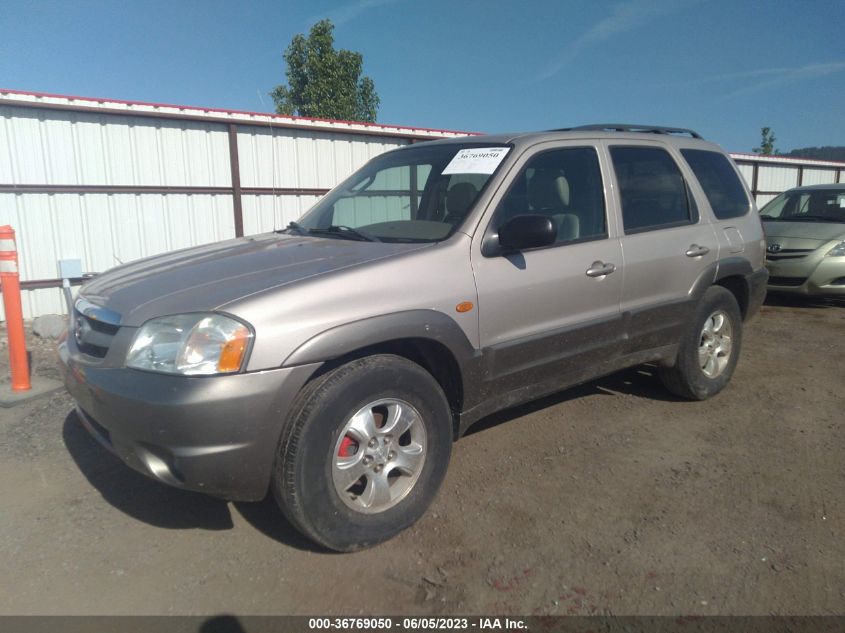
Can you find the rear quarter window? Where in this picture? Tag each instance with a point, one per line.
(719, 181)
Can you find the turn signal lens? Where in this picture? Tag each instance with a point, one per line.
(233, 351)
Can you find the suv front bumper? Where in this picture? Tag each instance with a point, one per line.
(212, 434)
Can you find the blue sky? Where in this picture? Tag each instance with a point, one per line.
(725, 68)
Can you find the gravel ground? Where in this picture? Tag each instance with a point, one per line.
(612, 498)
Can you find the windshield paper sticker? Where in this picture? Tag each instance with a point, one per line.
(479, 160)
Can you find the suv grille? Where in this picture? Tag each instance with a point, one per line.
(786, 281)
(93, 337)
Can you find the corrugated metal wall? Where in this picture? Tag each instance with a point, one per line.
(814, 176)
(83, 148)
(298, 159)
(265, 213)
(108, 181)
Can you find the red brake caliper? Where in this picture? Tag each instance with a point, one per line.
(348, 447)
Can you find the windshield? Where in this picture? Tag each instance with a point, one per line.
(819, 205)
(420, 194)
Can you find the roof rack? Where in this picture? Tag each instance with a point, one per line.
(631, 127)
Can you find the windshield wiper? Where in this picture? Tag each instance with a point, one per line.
(344, 231)
(294, 226)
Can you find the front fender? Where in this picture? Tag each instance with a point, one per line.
(419, 324)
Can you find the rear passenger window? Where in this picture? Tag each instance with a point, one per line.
(720, 183)
(652, 190)
(566, 186)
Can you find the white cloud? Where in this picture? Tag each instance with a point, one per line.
(773, 77)
(625, 16)
(349, 12)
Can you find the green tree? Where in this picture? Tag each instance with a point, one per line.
(324, 82)
(767, 144)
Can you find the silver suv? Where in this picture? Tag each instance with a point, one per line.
(334, 361)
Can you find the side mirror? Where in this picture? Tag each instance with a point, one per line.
(527, 231)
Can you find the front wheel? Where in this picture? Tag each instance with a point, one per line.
(709, 349)
(363, 452)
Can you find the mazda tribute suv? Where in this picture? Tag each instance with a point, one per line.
(332, 363)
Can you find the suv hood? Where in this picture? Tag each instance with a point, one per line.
(203, 278)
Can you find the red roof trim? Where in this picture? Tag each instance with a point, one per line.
(104, 100)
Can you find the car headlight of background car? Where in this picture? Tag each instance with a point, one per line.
(190, 344)
(837, 251)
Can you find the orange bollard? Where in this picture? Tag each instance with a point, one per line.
(10, 281)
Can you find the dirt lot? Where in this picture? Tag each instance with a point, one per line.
(613, 498)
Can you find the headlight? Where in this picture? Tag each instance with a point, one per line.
(836, 251)
(190, 344)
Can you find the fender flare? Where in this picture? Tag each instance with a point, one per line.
(728, 267)
(419, 324)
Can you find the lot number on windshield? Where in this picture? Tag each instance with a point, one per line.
(479, 160)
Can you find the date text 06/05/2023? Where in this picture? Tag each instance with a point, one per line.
(417, 624)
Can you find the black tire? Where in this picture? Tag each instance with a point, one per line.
(302, 477)
(686, 378)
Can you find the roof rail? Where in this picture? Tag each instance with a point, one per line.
(631, 127)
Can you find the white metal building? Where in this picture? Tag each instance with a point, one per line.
(109, 181)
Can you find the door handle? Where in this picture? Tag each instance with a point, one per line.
(600, 269)
(697, 251)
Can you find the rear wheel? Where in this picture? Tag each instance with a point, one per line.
(363, 452)
(709, 350)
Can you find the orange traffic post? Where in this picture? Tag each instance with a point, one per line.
(10, 281)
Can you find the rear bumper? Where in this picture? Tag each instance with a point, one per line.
(756, 291)
(215, 434)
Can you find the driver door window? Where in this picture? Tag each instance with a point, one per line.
(565, 185)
